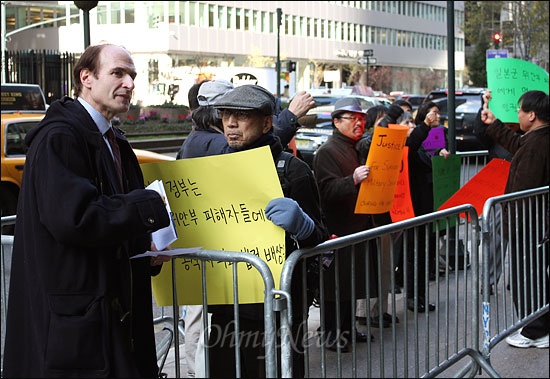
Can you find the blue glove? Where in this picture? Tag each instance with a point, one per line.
(286, 213)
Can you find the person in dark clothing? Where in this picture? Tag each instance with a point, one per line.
(339, 173)
(404, 104)
(379, 116)
(529, 169)
(495, 150)
(285, 126)
(79, 306)
(422, 197)
(193, 104)
(205, 139)
(247, 116)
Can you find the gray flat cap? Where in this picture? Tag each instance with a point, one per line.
(210, 92)
(347, 104)
(248, 97)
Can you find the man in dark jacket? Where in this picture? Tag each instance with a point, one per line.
(79, 306)
(529, 169)
(495, 150)
(339, 173)
(206, 140)
(247, 116)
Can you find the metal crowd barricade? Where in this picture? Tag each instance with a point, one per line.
(269, 311)
(420, 344)
(527, 210)
(471, 163)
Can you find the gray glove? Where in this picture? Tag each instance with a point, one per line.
(287, 214)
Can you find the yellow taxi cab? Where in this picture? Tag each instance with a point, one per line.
(15, 126)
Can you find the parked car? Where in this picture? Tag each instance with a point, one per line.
(325, 99)
(314, 132)
(468, 101)
(15, 126)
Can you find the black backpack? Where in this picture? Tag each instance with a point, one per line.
(283, 160)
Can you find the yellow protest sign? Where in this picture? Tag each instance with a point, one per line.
(377, 191)
(218, 203)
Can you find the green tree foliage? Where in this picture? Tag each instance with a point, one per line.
(529, 31)
(481, 20)
(522, 24)
(477, 67)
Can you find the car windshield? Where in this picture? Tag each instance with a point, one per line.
(325, 100)
(22, 98)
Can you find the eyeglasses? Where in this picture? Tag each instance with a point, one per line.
(354, 119)
(224, 114)
(519, 109)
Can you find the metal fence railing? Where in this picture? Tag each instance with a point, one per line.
(515, 263)
(420, 344)
(456, 339)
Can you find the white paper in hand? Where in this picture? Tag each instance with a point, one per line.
(165, 236)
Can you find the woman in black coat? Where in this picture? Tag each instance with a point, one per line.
(422, 197)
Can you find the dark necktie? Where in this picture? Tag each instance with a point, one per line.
(116, 153)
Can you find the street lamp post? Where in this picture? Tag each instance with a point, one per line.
(366, 60)
(86, 6)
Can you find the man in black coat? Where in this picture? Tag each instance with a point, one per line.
(79, 306)
(339, 172)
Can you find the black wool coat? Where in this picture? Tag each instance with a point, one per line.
(530, 166)
(78, 306)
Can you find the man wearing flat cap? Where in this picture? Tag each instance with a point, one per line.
(247, 116)
(339, 173)
(207, 138)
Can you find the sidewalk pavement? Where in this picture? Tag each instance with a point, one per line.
(508, 361)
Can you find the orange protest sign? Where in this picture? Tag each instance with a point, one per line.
(377, 191)
(402, 208)
(490, 181)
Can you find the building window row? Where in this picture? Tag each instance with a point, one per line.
(219, 16)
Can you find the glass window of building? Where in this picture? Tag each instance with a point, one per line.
(193, 13)
(249, 20)
(101, 14)
(230, 18)
(238, 21)
(203, 15)
(115, 12)
(256, 21)
(222, 17)
(129, 12)
(272, 17)
(211, 15)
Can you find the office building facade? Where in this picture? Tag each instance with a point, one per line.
(395, 45)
